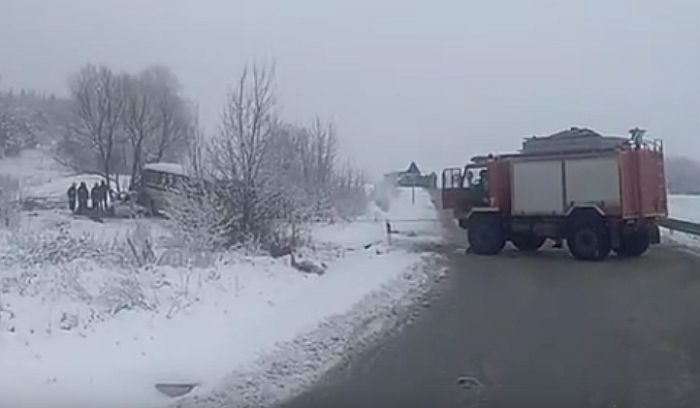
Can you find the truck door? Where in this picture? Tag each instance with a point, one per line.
(452, 188)
(464, 190)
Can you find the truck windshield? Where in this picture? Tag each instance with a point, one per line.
(476, 178)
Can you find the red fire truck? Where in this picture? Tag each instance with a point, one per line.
(597, 193)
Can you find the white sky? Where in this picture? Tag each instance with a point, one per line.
(433, 80)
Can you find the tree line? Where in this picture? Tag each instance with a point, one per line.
(28, 119)
(271, 177)
(122, 121)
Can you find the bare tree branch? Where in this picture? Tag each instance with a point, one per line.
(99, 103)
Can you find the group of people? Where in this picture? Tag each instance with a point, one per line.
(82, 200)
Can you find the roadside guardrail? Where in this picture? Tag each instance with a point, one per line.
(675, 224)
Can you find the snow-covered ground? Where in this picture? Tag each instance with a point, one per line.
(685, 207)
(40, 175)
(81, 326)
(33, 168)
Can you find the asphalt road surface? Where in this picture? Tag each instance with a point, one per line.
(538, 330)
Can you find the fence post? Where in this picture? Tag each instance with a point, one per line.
(388, 232)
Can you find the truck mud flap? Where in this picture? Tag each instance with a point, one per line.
(463, 223)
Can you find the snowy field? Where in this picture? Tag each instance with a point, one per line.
(82, 326)
(33, 168)
(685, 207)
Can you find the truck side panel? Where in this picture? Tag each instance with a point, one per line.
(537, 188)
(593, 181)
(643, 184)
(653, 183)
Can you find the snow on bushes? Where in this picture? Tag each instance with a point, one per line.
(28, 248)
(9, 202)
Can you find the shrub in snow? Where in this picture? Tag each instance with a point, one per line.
(125, 293)
(140, 241)
(177, 257)
(9, 202)
(29, 248)
(201, 219)
(68, 281)
(306, 266)
(68, 321)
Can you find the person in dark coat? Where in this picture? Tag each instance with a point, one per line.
(104, 192)
(96, 198)
(71, 197)
(83, 195)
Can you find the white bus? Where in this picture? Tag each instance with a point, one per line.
(159, 182)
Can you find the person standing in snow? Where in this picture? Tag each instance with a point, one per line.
(96, 198)
(83, 195)
(104, 192)
(71, 197)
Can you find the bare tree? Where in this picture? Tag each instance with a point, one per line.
(266, 179)
(349, 192)
(9, 201)
(248, 126)
(140, 120)
(197, 150)
(99, 104)
(173, 113)
(315, 149)
(323, 149)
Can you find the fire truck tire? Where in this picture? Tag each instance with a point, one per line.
(588, 238)
(634, 244)
(485, 234)
(527, 242)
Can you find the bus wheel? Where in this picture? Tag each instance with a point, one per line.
(486, 235)
(527, 242)
(588, 238)
(152, 210)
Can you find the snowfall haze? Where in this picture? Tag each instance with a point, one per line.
(435, 81)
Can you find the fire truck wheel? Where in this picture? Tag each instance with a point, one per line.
(589, 239)
(527, 242)
(634, 244)
(485, 234)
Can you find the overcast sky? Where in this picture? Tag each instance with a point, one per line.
(434, 80)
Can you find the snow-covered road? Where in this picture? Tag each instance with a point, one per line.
(247, 329)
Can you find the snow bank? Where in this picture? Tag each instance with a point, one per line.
(246, 329)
